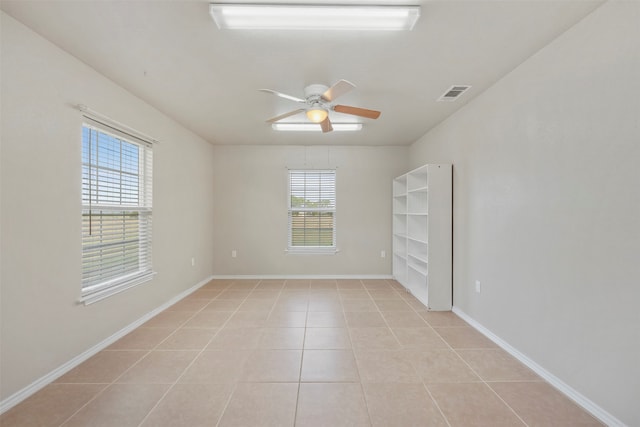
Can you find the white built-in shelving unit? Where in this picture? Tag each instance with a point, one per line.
(422, 234)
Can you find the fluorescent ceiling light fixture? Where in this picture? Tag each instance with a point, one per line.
(315, 127)
(314, 17)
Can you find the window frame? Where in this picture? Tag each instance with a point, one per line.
(97, 286)
(311, 249)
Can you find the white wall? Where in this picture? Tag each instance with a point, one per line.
(250, 187)
(547, 207)
(42, 326)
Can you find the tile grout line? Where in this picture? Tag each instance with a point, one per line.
(482, 380)
(364, 395)
(106, 386)
(148, 351)
(226, 404)
(355, 357)
(171, 386)
(271, 311)
(235, 386)
(508, 406)
(284, 322)
(304, 338)
(486, 383)
(435, 402)
(424, 385)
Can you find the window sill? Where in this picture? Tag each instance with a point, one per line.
(312, 251)
(90, 297)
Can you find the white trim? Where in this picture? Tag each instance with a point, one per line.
(129, 228)
(312, 250)
(563, 387)
(45, 380)
(114, 124)
(319, 176)
(303, 276)
(106, 291)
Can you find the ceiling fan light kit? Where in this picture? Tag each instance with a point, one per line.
(317, 114)
(319, 101)
(247, 16)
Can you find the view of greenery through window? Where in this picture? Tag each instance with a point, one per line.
(312, 208)
(115, 225)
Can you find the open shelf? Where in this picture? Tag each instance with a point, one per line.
(400, 204)
(400, 224)
(399, 268)
(422, 239)
(418, 249)
(417, 202)
(400, 186)
(417, 227)
(417, 179)
(418, 264)
(400, 245)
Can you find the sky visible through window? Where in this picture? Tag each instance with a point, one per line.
(115, 224)
(110, 169)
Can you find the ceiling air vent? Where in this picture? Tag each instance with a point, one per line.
(454, 93)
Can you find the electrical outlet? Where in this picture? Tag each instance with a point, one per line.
(478, 287)
(193, 262)
(383, 254)
(234, 253)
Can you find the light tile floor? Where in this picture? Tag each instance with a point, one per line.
(304, 353)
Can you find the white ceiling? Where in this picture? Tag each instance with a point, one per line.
(172, 55)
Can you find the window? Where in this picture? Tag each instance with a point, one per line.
(116, 211)
(312, 211)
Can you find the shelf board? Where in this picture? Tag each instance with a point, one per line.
(424, 189)
(418, 269)
(417, 257)
(417, 240)
(418, 213)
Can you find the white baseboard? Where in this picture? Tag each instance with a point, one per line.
(302, 276)
(563, 387)
(40, 383)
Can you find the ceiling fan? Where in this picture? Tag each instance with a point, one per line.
(318, 102)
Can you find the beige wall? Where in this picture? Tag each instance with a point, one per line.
(42, 326)
(250, 188)
(547, 207)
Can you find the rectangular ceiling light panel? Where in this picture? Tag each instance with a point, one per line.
(314, 17)
(315, 127)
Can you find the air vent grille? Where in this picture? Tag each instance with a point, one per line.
(454, 92)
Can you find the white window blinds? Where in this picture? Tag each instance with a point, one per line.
(116, 211)
(312, 210)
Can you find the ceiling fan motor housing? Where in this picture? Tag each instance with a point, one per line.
(313, 93)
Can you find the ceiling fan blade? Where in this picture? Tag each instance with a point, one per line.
(283, 95)
(285, 115)
(326, 125)
(362, 112)
(337, 90)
